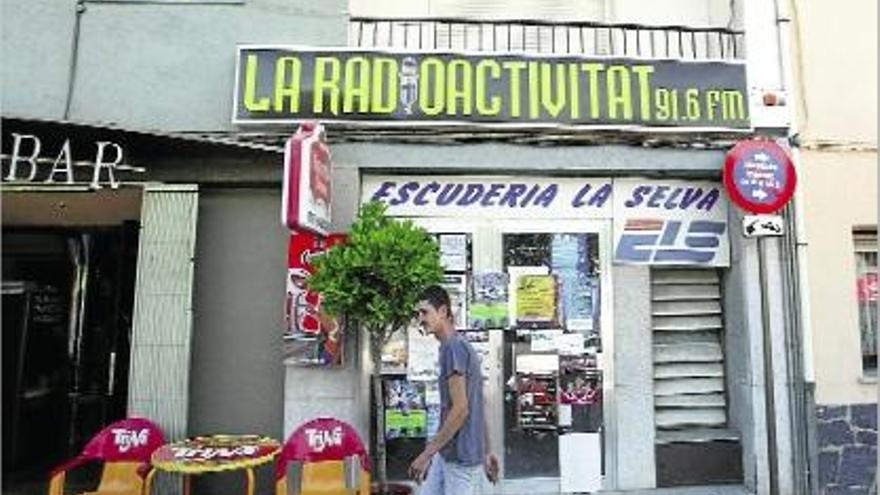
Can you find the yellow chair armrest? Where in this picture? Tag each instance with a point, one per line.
(281, 486)
(56, 484)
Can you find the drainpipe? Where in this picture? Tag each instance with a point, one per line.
(74, 56)
(800, 346)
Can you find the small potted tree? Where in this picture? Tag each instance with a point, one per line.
(373, 281)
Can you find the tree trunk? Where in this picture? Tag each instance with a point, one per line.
(379, 400)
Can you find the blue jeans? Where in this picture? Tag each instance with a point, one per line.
(449, 478)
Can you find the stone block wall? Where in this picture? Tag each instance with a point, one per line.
(847, 449)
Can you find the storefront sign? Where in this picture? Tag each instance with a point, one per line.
(655, 221)
(759, 176)
(488, 197)
(281, 84)
(310, 337)
(30, 163)
(305, 201)
(670, 223)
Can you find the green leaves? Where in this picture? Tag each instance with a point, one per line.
(375, 278)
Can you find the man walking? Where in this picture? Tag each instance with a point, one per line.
(456, 458)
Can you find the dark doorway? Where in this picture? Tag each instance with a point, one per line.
(67, 305)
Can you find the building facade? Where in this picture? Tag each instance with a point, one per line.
(838, 158)
(145, 128)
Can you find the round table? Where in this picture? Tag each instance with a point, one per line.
(212, 454)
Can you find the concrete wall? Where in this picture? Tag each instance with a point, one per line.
(156, 66)
(35, 68)
(513, 158)
(240, 254)
(743, 358)
(840, 193)
(237, 378)
(633, 378)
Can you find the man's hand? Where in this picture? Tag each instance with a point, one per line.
(490, 465)
(419, 467)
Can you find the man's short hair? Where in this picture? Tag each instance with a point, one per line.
(437, 296)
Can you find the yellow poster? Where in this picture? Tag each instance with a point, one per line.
(536, 299)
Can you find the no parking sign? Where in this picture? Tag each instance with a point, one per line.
(759, 176)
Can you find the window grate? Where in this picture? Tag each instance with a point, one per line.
(535, 36)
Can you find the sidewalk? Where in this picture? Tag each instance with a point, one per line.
(685, 490)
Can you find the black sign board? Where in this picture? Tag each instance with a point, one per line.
(280, 85)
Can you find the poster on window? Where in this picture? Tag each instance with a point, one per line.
(570, 344)
(422, 356)
(310, 336)
(479, 340)
(536, 401)
(432, 420)
(580, 391)
(456, 285)
(405, 409)
(571, 265)
(395, 354)
(545, 340)
(453, 252)
(536, 301)
(489, 306)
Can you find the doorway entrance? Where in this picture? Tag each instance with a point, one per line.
(68, 295)
(548, 369)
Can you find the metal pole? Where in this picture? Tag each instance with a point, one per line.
(800, 399)
(769, 382)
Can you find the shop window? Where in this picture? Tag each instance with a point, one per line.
(865, 242)
(409, 365)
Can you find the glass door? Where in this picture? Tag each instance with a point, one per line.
(552, 353)
(545, 376)
(69, 295)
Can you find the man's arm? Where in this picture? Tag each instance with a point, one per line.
(458, 413)
(455, 418)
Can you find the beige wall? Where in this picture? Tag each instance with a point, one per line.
(840, 192)
(836, 67)
(835, 62)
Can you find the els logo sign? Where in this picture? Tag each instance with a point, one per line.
(670, 223)
(660, 242)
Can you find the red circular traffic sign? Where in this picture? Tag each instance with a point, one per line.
(759, 176)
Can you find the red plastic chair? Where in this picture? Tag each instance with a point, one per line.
(125, 448)
(324, 456)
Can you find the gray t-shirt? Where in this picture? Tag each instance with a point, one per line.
(457, 356)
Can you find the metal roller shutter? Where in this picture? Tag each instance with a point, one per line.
(690, 403)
